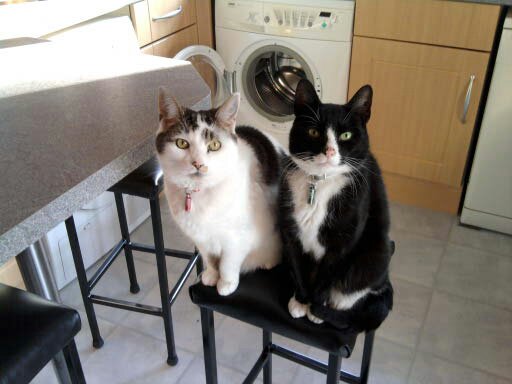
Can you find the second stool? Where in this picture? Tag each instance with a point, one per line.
(146, 182)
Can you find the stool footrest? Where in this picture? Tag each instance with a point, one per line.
(106, 264)
(168, 252)
(258, 366)
(311, 363)
(127, 305)
(183, 278)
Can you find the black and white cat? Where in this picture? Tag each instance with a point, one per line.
(334, 217)
(221, 184)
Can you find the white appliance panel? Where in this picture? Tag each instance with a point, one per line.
(488, 201)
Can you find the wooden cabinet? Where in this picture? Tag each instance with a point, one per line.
(169, 16)
(419, 130)
(171, 45)
(437, 22)
(164, 27)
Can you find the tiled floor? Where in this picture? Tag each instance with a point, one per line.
(452, 320)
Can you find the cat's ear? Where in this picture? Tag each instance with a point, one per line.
(306, 99)
(226, 114)
(168, 106)
(361, 102)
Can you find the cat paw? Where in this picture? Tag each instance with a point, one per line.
(313, 318)
(226, 287)
(297, 309)
(210, 277)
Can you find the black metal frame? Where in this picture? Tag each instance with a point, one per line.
(167, 298)
(332, 369)
(76, 374)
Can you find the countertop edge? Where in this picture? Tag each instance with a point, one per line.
(36, 226)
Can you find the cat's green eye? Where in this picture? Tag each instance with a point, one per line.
(182, 144)
(345, 136)
(214, 145)
(313, 132)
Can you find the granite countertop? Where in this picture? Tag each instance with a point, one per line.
(65, 142)
(40, 18)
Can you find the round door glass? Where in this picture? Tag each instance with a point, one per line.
(270, 77)
(212, 76)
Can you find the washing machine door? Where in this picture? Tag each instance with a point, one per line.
(212, 69)
(270, 72)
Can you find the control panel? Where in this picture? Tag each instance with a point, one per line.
(332, 22)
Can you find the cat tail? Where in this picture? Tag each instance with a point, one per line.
(368, 314)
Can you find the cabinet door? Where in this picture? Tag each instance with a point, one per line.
(170, 16)
(416, 129)
(171, 45)
(437, 22)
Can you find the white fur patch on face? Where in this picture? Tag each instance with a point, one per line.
(178, 165)
(309, 218)
(321, 164)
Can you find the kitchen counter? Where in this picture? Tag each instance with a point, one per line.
(40, 18)
(84, 124)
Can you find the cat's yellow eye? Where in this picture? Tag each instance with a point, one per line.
(313, 132)
(214, 145)
(182, 144)
(345, 136)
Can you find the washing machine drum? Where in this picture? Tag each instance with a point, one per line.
(270, 77)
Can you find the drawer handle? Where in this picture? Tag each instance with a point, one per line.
(467, 99)
(169, 15)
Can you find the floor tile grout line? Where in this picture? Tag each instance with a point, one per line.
(422, 327)
(464, 365)
(481, 302)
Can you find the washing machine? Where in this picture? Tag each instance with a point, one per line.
(264, 48)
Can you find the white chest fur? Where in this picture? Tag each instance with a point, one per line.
(310, 217)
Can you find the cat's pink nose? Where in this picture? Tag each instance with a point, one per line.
(197, 165)
(330, 152)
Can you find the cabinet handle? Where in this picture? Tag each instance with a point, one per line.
(467, 99)
(169, 15)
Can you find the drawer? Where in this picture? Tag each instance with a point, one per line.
(171, 45)
(437, 22)
(169, 16)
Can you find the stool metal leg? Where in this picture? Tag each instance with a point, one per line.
(267, 369)
(156, 220)
(367, 356)
(125, 233)
(333, 369)
(73, 363)
(97, 341)
(38, 277)
(210, 354)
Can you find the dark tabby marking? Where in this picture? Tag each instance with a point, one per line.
(264, 150)
(185, 121)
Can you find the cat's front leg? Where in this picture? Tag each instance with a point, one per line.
(229, 269)
(210, 275)
(296, 308)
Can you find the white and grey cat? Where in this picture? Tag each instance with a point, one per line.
(221, 184)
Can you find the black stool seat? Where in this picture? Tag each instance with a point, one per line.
(261, 299)
(33, 331)
(145, 181)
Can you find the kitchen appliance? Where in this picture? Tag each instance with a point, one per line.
(488, 201)
(264, 48)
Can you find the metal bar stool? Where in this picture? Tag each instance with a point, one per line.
(146, 182)
(261, 300)
(34, 330)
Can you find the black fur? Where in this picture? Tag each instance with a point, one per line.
(355, 229)
(264, 150)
